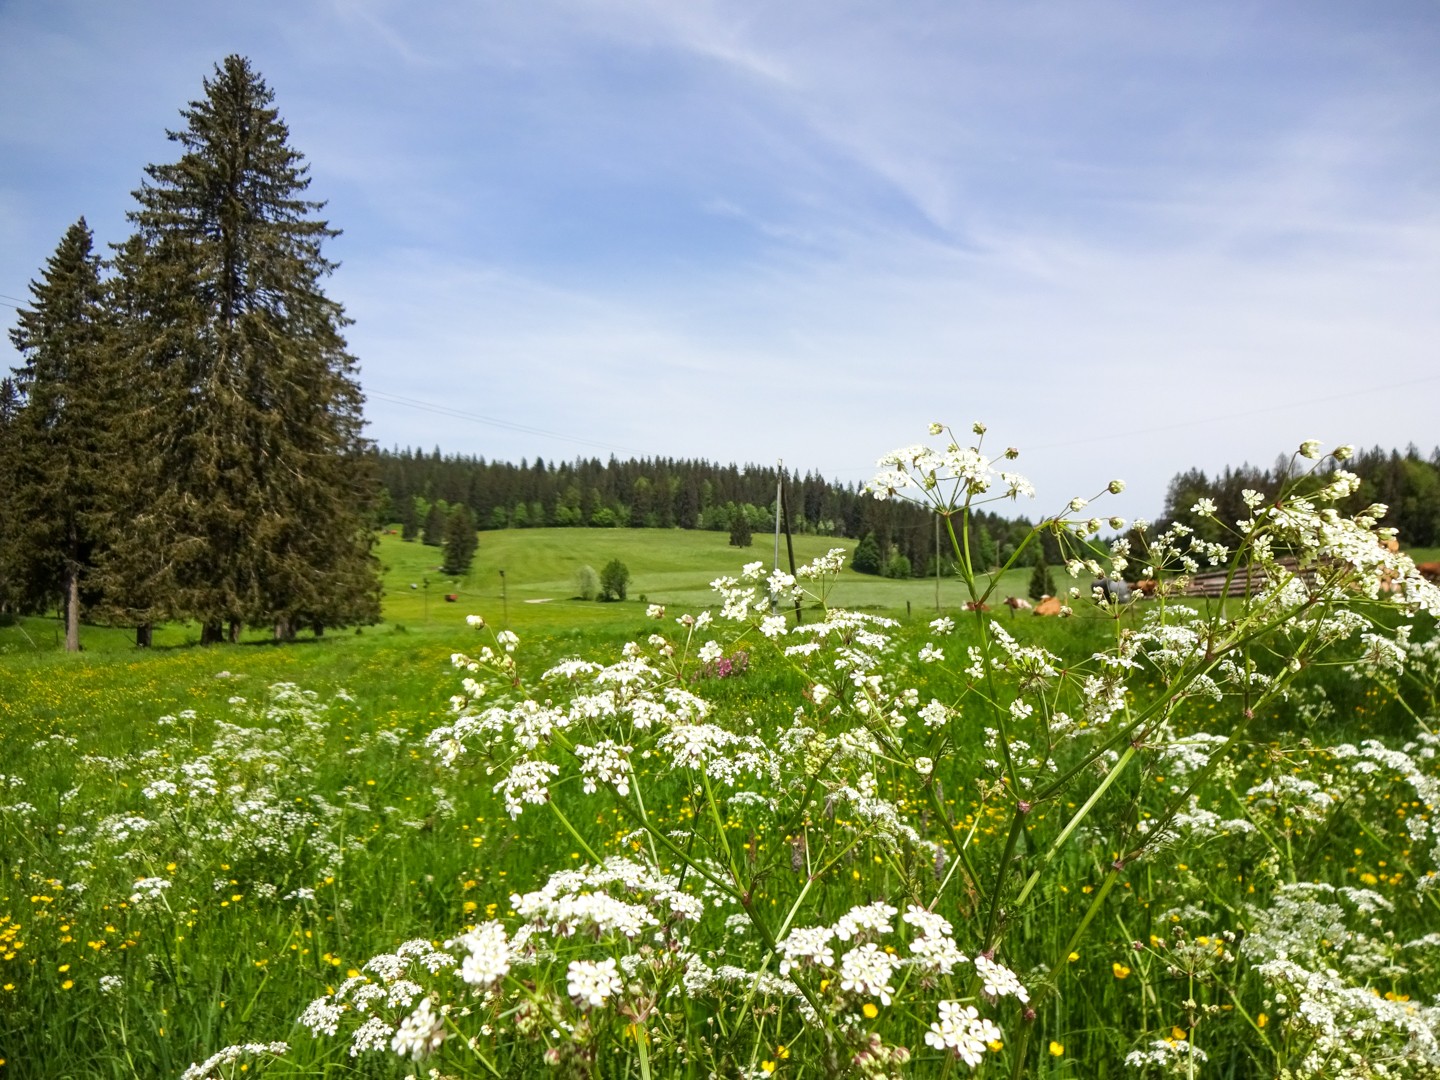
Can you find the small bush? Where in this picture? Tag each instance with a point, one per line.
(898, 566)
(587, 583)
(614, 580)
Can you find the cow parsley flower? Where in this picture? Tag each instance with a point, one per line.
(867, 971)
(488, 960)
(591, 983)
(527, 782)
(420, 1034)
(215, 1064)
(998, 980)
(962, 1030)
(806, 945)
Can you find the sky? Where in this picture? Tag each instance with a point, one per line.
(1131, 238)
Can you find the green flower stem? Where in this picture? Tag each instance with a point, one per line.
(645, 817)
(472, 1045)
(642, 1040)
(571, 830)
(795, 908)
(962, 855)
(992, 916)
(720, 831)
(1074, 823)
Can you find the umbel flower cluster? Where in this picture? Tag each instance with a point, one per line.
(821, 893)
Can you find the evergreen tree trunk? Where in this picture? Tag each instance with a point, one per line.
(235, 628)
(210, 633)
(144, 636)
(72, 608)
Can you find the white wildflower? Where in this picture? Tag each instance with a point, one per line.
(420, 1034)
(591, 983)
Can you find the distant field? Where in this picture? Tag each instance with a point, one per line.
(667, 566)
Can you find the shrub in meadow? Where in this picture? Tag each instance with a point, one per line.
(801, 891)
(587, 583)
(614, 580)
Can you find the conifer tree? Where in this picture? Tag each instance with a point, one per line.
(460, 541)
(146, 330)
(268, 482)
(58, 442)
(409, 519)
(867, 558)
(434, 534)
(741, 534)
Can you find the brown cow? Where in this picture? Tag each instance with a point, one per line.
(1430, 571)
(1018, 603)
(1049, 606)
(976, 605)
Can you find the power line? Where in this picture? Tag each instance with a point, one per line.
(1266, 411)
(1130, 433)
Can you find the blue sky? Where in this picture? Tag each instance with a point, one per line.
(1130, 237)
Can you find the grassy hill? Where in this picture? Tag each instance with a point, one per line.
(667, 566)
(539, 592)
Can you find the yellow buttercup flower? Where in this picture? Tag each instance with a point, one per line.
(1056, 1049)
(1120, 970)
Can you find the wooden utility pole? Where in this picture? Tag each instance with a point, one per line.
(789, 544)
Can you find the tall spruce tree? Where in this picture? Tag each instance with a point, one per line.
(268, 487)
(58, 443)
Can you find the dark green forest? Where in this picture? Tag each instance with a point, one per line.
(1406, 483)
(663, 493)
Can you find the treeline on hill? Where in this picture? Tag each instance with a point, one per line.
(897, 538)
(1407, 483)
(183, 439)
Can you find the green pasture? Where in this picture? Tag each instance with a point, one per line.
(667, 566)
(427, 851)
(538, 591)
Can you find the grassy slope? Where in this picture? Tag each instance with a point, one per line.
(667, 566)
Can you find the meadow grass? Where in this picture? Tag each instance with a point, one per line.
(340, 837)
(228, 959)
